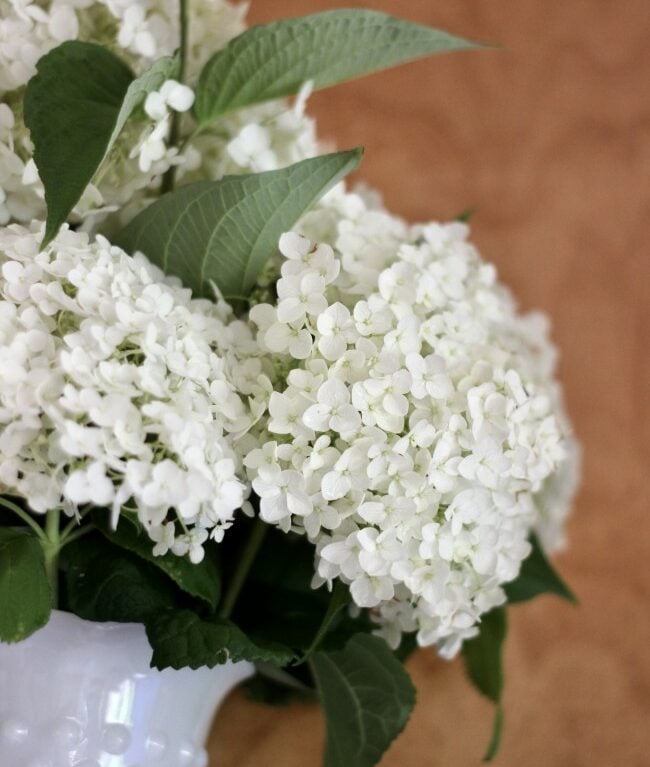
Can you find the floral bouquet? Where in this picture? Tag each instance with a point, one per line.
(240, 402)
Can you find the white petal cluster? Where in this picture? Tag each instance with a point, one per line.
(264, 137)
(139, 31)
(415, 423)
(28, 30)
(116, 389)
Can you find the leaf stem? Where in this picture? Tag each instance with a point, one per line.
(51, 549)
(27, 518)
(76, 534)
(169, 179)
(245, 563)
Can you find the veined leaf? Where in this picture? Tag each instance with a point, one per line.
(181, 639)
(367, 697)
(106, 583)
(71, 107)
(201, 581)
(483, 657)
(225, 231)
(536, 577)
(25, 595)
(274, 60)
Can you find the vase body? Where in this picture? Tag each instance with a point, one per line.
(82, 694)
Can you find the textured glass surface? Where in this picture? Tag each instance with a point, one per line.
(81, 694)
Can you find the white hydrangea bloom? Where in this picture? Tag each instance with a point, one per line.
(139, 30)
(416, 433)
(116, 389)
(263, 137)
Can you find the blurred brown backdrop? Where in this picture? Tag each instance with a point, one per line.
(549, 137)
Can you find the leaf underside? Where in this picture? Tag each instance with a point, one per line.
(275, 60)
(223, 232)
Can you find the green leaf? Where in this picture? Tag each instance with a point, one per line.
(71, 108)
(536, 577)
(367, 697)
(495, 740)
(106, 583)
(339, 599)
(275, 60)
(166, 68)
(225, 231)
(25, 595)
(483, 657)
(201, 581)
(181, 639)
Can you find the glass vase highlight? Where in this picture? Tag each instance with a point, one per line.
(82, 694)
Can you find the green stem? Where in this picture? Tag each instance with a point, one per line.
(76, 534)
(51, 549)
(169, 179)
(239, 576)
(27, 518)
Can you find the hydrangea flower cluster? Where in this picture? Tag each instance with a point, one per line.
(414, 423)
(263, 137)
(117, 389)
(139, 30)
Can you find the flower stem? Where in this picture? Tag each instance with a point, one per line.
(27, 518)
(246, 561)
(169, 179)
(51, 549)
(76, 534)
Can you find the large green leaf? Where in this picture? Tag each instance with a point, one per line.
(181, 639)
(25, 595)
(536, 577)
(201, 581)
(71, 108)
(274, 60)
(106, 583)
(483, 657)
(225, 231)
(367, 697)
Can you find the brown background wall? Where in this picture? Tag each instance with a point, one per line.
(549, 138)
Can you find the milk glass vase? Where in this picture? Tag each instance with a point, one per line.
(82, 694)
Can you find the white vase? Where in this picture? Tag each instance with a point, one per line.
(82, 694)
